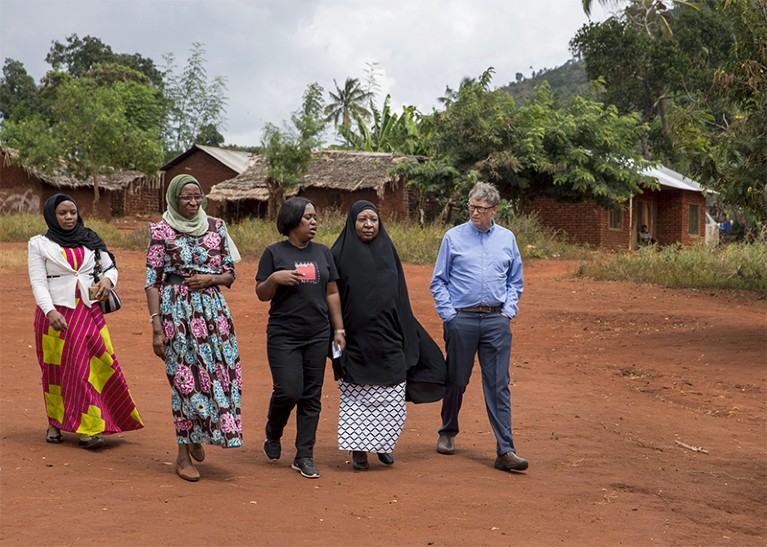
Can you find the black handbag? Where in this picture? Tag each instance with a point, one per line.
(113, 302)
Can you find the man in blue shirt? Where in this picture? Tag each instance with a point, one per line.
(476, 285)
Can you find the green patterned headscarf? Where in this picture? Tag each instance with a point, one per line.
(197, 225)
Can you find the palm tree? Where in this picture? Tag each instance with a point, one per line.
(348, 103)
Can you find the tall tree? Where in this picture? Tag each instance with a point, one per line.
(94, 129)
(724, 134)
(576, 151)
(288, 151)
(348, 103)
(18, 92)
(192, 101)
(646, 69)
(78, 56)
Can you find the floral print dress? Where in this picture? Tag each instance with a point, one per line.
(201, 358)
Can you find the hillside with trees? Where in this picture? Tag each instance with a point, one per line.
(566, 81)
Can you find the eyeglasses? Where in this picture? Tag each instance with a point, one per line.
(477, 208)
(189, 199)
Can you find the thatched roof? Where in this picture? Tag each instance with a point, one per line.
(333, 169)
(61, 179)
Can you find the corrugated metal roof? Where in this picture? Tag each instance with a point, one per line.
(233, 159)
(671, 179)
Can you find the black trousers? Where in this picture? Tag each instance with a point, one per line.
(298, 372)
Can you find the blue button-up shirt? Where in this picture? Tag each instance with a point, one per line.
(476, 268)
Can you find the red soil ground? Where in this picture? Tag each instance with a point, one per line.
(641, 410)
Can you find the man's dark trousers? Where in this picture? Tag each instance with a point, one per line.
(489, 335)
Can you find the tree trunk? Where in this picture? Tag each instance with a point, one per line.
(276, 198)
(95, 193)
(662, 112)
(663, 121)
(647, 118)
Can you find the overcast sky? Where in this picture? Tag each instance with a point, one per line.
(270, 50)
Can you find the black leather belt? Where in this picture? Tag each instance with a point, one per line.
(481, 309)
(174, 279)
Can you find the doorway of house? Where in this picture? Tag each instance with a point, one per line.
(645, 214)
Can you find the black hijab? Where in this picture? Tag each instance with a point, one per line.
(376, 307)
(79, 236)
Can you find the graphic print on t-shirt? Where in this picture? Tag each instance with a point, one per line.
(309, 271)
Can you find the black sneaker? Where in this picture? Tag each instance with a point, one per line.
(305, 466)
(272, 449)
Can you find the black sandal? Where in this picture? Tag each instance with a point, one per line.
(93, 442)
(53, 438)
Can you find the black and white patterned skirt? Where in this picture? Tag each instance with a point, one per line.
(370, 418)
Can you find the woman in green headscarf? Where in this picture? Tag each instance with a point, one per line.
(190, 255)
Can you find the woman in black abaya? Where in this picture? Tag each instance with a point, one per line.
(386, 347)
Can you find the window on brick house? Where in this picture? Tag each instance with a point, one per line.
(693, 226)
(615, 222)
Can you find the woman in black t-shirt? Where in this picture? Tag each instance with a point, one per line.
(299, 277)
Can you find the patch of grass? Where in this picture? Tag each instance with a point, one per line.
(20, 227)
(12, 259)
(731, 266)
(415, 244)
(534, 239)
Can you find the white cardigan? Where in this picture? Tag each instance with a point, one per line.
(54, 280)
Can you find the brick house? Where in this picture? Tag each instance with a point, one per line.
(676, 213)
(208, 164)
(335, 180)
(25, 189)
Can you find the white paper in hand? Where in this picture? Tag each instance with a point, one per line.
(336, 351)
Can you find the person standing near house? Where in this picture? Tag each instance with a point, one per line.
(298, 277)
(476, 286)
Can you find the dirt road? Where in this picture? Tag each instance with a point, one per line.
(641, 410)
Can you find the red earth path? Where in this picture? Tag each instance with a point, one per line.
(641, 410)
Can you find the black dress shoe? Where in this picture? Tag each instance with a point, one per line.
(386, 458)
(510, 462)
(360, 460)
(446, 444)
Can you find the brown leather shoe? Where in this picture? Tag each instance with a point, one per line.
(188, 473)
(446, 445)
(197, 452)
(510, 462)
